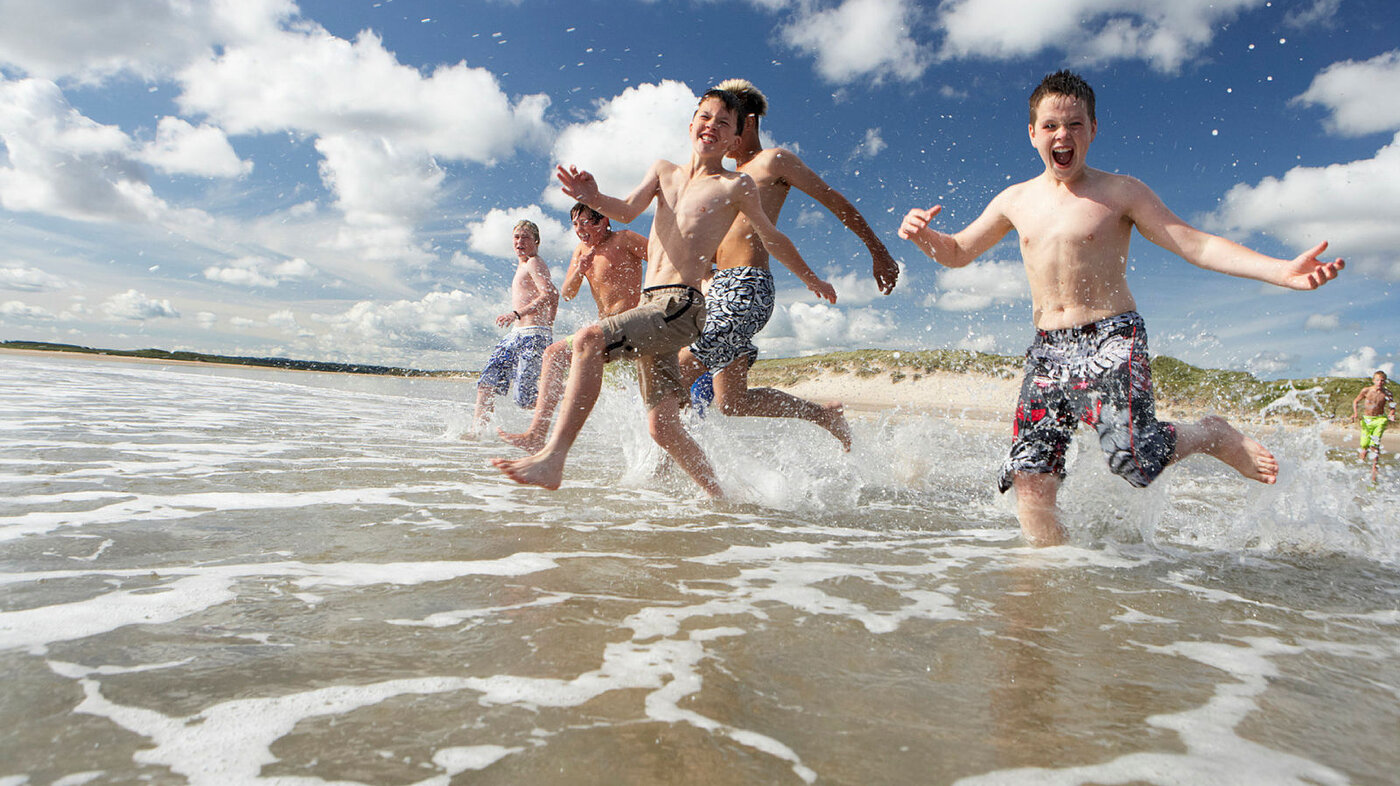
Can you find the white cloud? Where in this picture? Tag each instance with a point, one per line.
(854, 289)
(183, 149)
(90, 40)
(377, 184)
(286, 321)
(30, 279)
(980, 285)
(1362, 363)
(873, 143)
(259, 272)
(1266, 364)
(1322, 322)
(633, 130)
(494, 234)
(64, 164)
(1349, 91)
(1166, 35)
(135, 306)
(1350, 205)
(978, 342)
(17, 310)
(803, 328)
(206, 319)
(859, 39)
(309, 81)
(441, 321)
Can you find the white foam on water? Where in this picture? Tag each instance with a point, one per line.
(1215, 753)
(195, 589)
(229, 743)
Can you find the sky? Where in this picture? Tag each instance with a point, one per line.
(337, 179)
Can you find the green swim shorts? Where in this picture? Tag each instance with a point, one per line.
(1372, 427)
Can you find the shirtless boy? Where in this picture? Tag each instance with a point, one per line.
(740, 299)
(695, 205)
(516, 359)
(612, 261)
(1089, 359)
(1368, 408)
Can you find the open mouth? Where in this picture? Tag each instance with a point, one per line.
(1062, 156)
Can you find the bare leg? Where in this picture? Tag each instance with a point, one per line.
(554, 375)
(736, 399)
(1035, 507)
(664, 423)
(485, 405)
(1376, 465)
(546, 467)
(1216, 437)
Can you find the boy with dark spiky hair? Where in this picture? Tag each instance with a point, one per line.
(1089, 358)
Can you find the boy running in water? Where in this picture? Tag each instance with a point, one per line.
(1089, 357)
(612, 261)
(516, 359)
(1368, 408)
(741, 296)
(695, 205)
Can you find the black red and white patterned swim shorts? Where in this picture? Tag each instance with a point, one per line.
(1097, 374)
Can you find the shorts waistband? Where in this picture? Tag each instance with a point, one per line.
(527, 330)
(1105, 325)
(686, 287)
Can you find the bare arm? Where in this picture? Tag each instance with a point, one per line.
(1160, 225)
(957, 250)
(778, 244)
(545, 299)
(573, 277)
(792, 169)
(580, 185)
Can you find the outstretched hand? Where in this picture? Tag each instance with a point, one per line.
(1306, 271)
(886, 270)
(577, 183)
(915, 227)
(823, 290)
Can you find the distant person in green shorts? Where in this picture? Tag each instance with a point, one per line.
(1369, 408)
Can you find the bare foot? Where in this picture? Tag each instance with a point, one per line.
(833, 419)
(1248, 457)
(538, 470)
(527, 441)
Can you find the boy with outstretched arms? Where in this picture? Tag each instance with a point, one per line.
(1368, 409)
(740, 300)
(1089, 358)
(612, 262)
(515, 363)
(695, 205)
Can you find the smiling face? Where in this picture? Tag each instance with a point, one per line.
(1061, 132)
(591, 229)
(714, 128)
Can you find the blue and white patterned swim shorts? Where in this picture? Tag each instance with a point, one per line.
(740, 303)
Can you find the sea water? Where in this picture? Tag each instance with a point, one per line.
(236, 576)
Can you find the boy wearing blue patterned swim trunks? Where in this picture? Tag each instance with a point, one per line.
(1089, 359)
(740, 298)
(515, 363)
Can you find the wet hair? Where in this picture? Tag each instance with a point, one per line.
(530, 226)
(1064, 83)
(730, 101)
(580, 209)
(752, 101)
(1382, 373)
